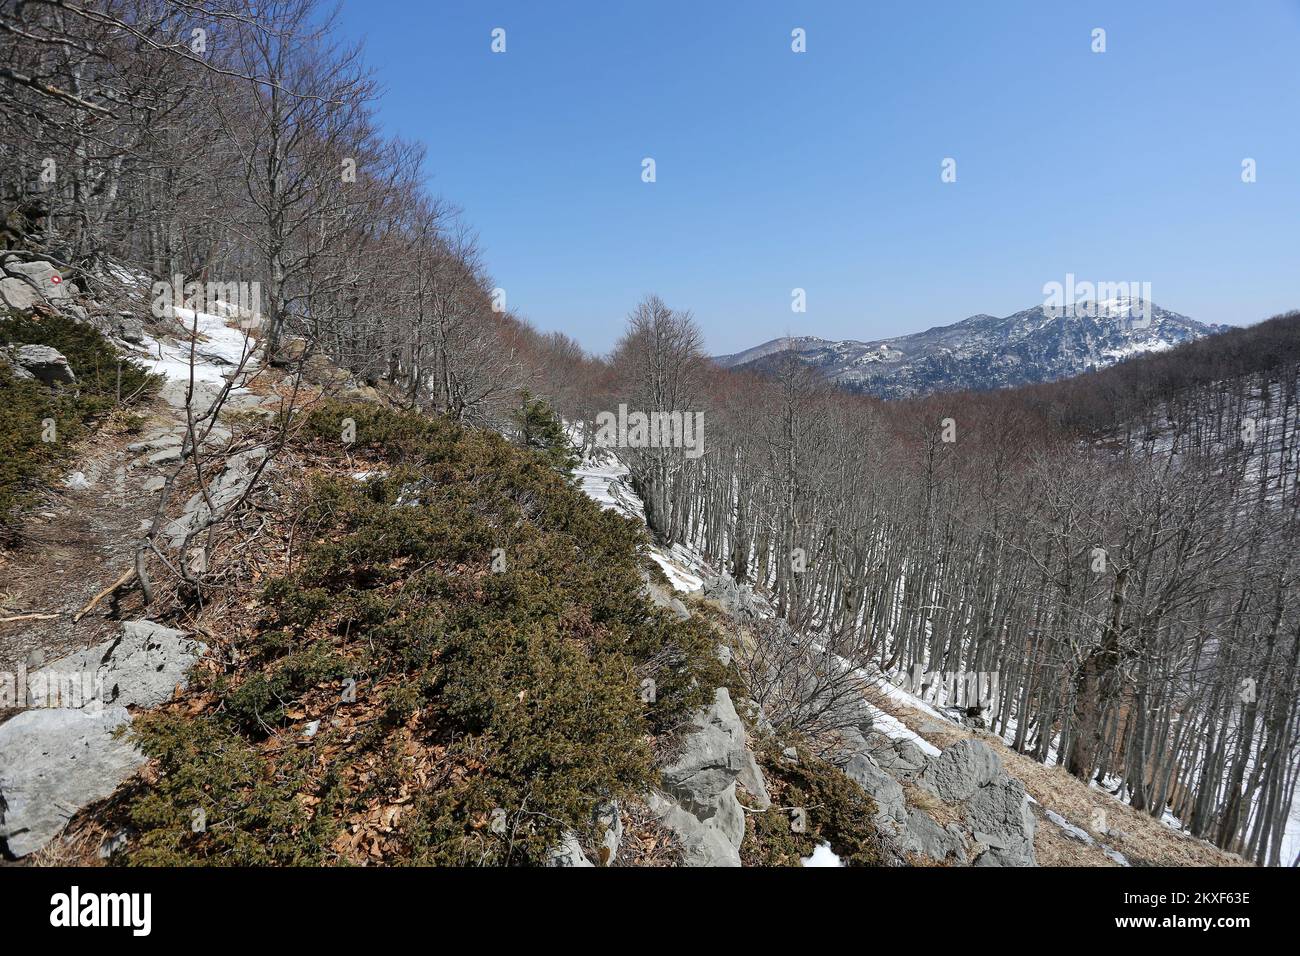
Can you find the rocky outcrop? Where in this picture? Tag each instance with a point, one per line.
(993, 806)
(699, 803)
(65, 752)
(987, 820)
(230, 484)
(43, 363)
(141, 668)
(53, 763)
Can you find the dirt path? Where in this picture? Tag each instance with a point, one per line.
(76, 541)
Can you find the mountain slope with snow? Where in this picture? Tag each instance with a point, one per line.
(984, 351)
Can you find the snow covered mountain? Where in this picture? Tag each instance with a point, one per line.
(986, 352)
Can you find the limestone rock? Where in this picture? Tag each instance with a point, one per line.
(891, 803)
(18, 295)
(702, 844)
(42, 277)
(47, 364)
(959, 771)
(141, 668)
(53, 762)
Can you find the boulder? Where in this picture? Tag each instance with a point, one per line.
(959, 771)
(53, 762)
(47, 364)
(42, 277)
(130, 329)
(891, 804)
(18, 295)
(141, 668)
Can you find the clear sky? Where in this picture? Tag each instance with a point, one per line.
(821, 170)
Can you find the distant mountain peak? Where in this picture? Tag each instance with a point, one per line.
(1037, 344)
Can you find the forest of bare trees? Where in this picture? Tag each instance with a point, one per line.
(232, 141)
(1118, 550)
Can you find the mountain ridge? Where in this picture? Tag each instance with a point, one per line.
(983, 351)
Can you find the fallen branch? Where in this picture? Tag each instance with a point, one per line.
(28, 617)
(127, 575)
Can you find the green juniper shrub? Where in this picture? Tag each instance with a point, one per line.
(26, 456)
(505, 688)
(540, 429)
(835, 810)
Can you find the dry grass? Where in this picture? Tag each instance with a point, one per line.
(925, 801)
(75, 848)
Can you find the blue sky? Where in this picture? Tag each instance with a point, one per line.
(821, 170)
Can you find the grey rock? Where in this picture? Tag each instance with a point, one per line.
(142, 668)
(661, 597)
(702, 844)
(224, 490)
(17, 371)
(700, 803)
(754, 783)
(1000, 816)
(156, 483)
(568, 852)
(112, 843)
(166, 456)
(42, 277)
(53, 762)
(712, 756)
(901, 759)
(130, 329)
(891, 804)
(18, 295)
(47, 364)
(959, 771)
(728, 817)
(609, 823)
(924, 837)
